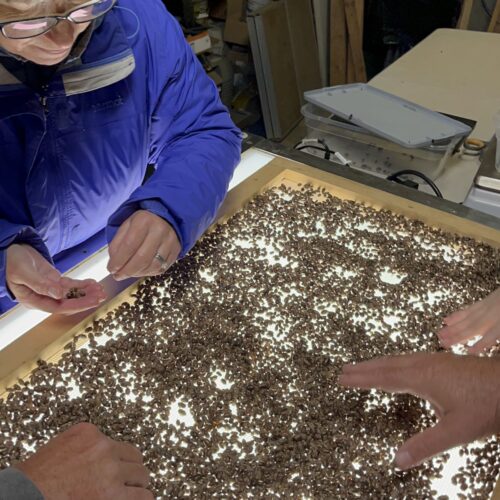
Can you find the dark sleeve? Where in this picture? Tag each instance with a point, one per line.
(14, 485)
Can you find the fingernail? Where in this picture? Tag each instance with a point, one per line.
(119, 277)
(403, 460)
(54, 293)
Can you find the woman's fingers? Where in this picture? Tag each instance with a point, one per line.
(144, 258)
(418, 374)
(41, 283)
(93, 297)
(125, 244)
(68, 283)
(134, 474)
(41, 286)
(27, 267)
(147, 246)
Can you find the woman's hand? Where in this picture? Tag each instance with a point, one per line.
(480, 319)
(145, 245)
(463, 390)
(36, 284)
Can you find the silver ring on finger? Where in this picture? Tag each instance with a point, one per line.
(163, 262)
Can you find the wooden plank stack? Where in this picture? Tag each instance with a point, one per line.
(347, 63)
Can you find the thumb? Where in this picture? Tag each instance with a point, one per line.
(453, 430)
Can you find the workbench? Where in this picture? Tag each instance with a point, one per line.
(455, 72)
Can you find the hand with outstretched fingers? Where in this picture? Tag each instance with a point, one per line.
(464, 391)
(480, 319)
(37, 284)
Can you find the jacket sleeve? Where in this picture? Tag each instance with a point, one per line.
(14, 233)
(194, 144)
(14, 485)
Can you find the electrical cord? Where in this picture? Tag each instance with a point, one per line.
(317, 148)
(325, 149)
(395, 176)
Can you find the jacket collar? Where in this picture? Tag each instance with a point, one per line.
(101, 58)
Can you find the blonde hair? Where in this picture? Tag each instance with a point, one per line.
(26, 9)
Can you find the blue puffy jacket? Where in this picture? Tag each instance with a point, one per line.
(73, 160)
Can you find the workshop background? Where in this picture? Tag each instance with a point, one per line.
(324, 45)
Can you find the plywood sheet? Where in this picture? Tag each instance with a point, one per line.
(338, 43)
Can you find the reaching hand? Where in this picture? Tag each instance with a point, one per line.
(480, 319)
(35, 283)
(463, 390)
(145, 245)
(82, 464)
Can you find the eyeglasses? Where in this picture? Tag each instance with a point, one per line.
(28, 28)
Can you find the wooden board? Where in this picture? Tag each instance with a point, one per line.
(494, 26)
(347, 64)
(351, 73)
(304, 45)
(356, 59)
(47, 340)
(338, 43)
(465, 13)
(276, 75)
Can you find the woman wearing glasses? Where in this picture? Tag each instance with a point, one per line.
(91, 93)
